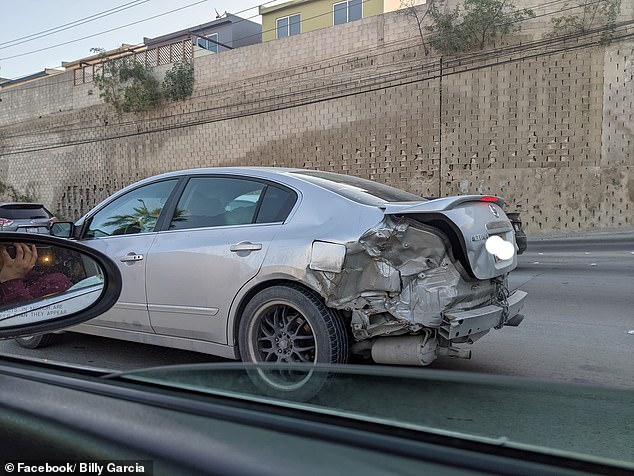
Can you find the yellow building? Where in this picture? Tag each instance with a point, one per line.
(301, 16)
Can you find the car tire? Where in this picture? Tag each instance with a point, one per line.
(35, 341)
(288, 325)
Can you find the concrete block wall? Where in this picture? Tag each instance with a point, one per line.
(36, 99)
(550, 133)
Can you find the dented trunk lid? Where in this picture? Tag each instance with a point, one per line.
(468, 221)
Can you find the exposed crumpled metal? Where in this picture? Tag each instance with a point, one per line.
(398, 278)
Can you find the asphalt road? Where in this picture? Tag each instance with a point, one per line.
(579, 324)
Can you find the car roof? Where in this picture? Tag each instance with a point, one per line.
(258, 171)
(281, 174)
(294, 177)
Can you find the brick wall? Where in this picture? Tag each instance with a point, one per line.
(550, 128)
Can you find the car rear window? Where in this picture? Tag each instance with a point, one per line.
(357, 189)
(23, 212)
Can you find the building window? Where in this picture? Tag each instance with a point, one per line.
(289, 26)
(344, 12)
(209, 43)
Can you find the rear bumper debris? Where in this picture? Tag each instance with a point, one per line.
(464, 324)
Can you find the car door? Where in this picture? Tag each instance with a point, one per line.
(124, 230)
(214, 244)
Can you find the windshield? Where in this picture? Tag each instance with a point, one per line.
(459, 405)
(405, 187)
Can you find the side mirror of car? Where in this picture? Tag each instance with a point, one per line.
(63, 229)
(49, 283)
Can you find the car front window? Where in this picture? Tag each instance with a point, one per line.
(396, 191)
(135, 212)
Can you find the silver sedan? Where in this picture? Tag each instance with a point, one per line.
(291, 265)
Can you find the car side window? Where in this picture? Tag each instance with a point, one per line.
(217, 201)
(276, 205)
(135, 212)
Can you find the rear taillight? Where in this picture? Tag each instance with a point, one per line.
(5, 222)
(489, 198)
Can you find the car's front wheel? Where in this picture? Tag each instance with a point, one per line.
(289, 325)
(36, 341)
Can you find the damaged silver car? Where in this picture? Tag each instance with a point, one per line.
(291, 265)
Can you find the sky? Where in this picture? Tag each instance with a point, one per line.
(27, 26)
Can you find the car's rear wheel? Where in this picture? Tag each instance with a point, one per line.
(36, 341)
(288, 325)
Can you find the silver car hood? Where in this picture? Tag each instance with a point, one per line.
(468, 220)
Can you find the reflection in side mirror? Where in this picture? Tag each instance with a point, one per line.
(51, 306)
(49, 283)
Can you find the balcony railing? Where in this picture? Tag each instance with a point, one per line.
(165, 54)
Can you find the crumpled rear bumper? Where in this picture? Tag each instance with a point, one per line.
(461, 325)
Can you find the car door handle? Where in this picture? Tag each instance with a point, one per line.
(245, 246)
(131, 257)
